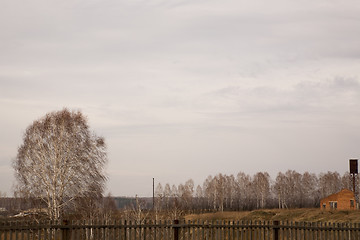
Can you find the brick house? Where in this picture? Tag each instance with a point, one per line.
(343, 200)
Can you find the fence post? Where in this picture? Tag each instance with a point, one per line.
(65, 230)
(276, 230)
(176, 229)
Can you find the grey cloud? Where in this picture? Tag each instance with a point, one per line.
(335, 94)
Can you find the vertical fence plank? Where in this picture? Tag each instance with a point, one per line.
(183, 229)
(321, 231)
(5, 232)
(326, 231)
(254, 230)
(10, 232)
(188, 230)
(245, 235)
(230, 230)
(312, 231)
(281, 230)
(176, 229)
(276, 230)
(237, 230)
(337, 234)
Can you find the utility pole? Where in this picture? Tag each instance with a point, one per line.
(353, 173)
(153, 193)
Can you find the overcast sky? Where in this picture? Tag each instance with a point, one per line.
(184, 89)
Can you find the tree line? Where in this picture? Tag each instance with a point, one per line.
(290, 189)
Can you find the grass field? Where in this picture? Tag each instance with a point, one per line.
(297, 215)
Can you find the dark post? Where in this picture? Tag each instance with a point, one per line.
(153, 193)
(65, 230)
(353, 173)
(276, 230)
(176, 229)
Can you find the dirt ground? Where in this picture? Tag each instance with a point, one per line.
(295, 215)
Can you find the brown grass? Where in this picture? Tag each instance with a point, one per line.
(295, 215)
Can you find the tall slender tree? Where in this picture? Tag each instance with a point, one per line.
(261, 184)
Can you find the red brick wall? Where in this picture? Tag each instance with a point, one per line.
(342, 198)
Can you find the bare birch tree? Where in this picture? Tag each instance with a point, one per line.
(329, 183)
(60, 162)
(167, 196)
(309, 184)
(187, 193)
(280, 189)
(159, 198)
(261, 184)
(244, 191)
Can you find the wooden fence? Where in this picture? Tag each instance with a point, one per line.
(178, 230)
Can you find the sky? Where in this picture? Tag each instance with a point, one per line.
(183, 89)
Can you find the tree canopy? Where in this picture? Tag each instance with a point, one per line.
(60, 162)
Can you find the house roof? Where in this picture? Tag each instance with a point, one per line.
(335, 194)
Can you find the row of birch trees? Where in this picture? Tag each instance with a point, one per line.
(245, 192)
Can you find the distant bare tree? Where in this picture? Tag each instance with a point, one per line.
(61, 162)
(159, 198)
(294, 188)
(137, 212)
(187, 193)
(230, 191)
(199, 197)
(108, 208)
(261, 186)
(244, 191)
(167, 196)
(209, 192)
(329, 183)
(346, 181)
(310, 185)
(280, 189)
(220, 185)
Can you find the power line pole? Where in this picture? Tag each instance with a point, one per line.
(153, 193)
(353, 173)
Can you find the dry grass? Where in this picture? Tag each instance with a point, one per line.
(296, 215)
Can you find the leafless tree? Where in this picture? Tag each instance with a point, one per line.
(61, 162)
(294, 191)
(167, 196)
(230, 191)
(159, 198)
(261, 184)
(220, 184)
(329, 183)
(309, 183)
(280, 189)
(186, 193)
(199, 198)
(209, 192)
(244, 190)
(137, 212)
